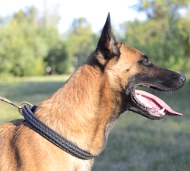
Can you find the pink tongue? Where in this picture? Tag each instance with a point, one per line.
(156, 103)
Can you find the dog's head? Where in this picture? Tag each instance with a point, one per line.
(127, 68)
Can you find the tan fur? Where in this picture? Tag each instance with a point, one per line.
(83, 111)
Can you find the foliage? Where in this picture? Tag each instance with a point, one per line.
(57, 59)
(81, 41)
(161, 9)
(25, 42)
(30, 43)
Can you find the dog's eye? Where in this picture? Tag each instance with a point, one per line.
(146, 61)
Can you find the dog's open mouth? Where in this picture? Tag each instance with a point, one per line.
(152, 104)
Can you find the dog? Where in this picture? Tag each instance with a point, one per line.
(86, 107)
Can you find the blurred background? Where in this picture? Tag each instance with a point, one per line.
(42, 42)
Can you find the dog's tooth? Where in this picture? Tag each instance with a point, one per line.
(146, 86)
(162, 111)
(139, 96)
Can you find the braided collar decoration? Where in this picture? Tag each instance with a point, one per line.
(53, 136)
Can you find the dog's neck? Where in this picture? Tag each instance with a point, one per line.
(83, 110)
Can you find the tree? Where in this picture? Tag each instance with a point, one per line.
(81, 41)
(21, 50)
(161, 9)
(57, 60)
(26, 40)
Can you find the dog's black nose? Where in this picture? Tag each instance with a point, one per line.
(183, 78)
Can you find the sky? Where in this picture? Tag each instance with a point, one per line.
(95, 11)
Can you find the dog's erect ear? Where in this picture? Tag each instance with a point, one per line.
(107, 45)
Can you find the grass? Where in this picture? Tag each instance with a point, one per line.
(33, 90)
(135, 143)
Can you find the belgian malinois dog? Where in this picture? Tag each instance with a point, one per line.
(86, 107)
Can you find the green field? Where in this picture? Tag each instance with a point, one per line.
(135, 143)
